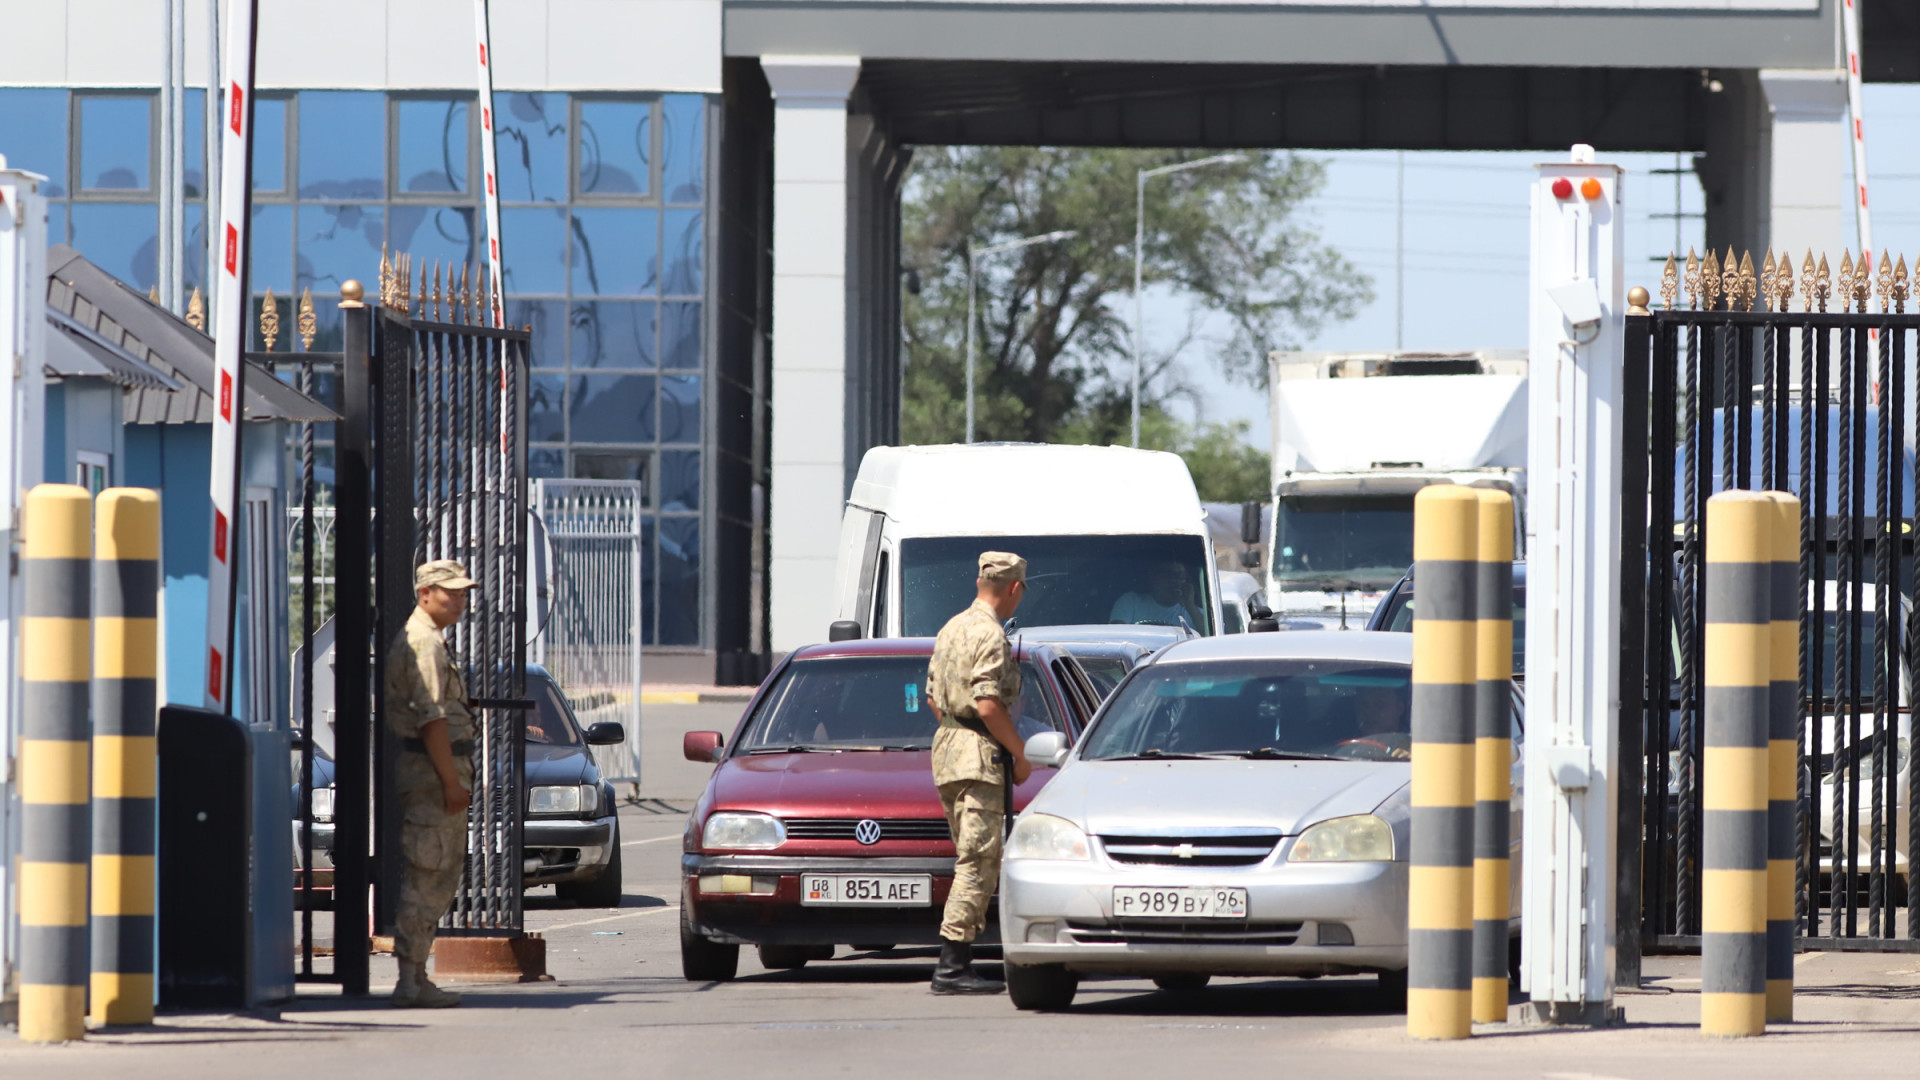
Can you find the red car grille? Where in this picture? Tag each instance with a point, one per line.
(846, 828)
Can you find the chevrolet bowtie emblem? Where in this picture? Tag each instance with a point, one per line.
(1184, 851)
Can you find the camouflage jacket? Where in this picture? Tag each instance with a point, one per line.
(971, 659)
(423, 684)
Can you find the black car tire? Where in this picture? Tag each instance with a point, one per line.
(1183, 982)
(603, 891)
(792, 957)
(1393, 990)
(1041, 986)
(702, 960)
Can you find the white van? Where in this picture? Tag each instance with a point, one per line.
(1110, 535)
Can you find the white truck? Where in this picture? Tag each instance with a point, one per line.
(1110, 535)
(1355, 437)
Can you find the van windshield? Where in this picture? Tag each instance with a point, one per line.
(1339, 542)
(1071, 580)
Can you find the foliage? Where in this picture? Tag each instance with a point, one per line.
(1225, 466)
(1054, 319)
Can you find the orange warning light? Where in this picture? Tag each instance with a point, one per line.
(1590, 188)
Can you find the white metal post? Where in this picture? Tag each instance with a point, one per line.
(23, 297)
(1573, 625)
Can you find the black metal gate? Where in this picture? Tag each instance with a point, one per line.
(1742, 392)
(430, 462)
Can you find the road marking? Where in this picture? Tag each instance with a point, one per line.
(608, 918)
(649, 840)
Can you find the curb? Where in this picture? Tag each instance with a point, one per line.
(713, 695)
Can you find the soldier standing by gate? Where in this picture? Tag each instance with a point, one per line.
(973, 684)
(427, 712)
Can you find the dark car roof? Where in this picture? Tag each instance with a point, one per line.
(896, 646)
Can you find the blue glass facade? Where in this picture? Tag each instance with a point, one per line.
(603, 228)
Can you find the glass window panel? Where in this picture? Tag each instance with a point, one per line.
(116, 142)
(546, 408)
(611, 465)
(616, 252)
(680, 335)
(195, 255)
(547, 462)
(33, 136)
(680, 408)
(683, 148)
(530, 147)
(685, 246)
(549, 321)
(616, 334)
(270, 247)
(616, 142)
(57, 223)
(436, 234)
(343, 138)
(535, 251)
(679, 581)
(337, 243)
(680, 479)
(612, 408)
(270, 144)
(119, 238)
(647, 563)
(194, 168)
(432, 145)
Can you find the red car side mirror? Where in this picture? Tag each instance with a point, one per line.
(701, 746)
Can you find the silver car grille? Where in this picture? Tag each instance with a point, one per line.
(1234, 849)
(890, 828)
(1132, 932)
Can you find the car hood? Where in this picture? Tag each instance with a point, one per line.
(1170, 797)
(879, 784)
(558, 765)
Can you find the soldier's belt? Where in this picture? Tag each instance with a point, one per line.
(975, 725)
(461, 747)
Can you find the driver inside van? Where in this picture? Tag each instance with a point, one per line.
(1168, 600)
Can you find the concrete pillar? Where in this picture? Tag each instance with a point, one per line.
(1811, 161)
(808, 454)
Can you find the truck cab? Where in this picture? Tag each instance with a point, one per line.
(1110, 535)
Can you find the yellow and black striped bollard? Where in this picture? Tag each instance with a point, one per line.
(126, 589)
(1739, 677)
(1445, 689)
(54, 671)
(1783, 757)
(1493, 758)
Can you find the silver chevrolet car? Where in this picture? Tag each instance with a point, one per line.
(1238, 807)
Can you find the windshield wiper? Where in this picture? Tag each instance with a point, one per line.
(908, 746)
(806, 748)
(1270, 753)
(1154, 755)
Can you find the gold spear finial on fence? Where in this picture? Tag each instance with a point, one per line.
(1783, 283)
(1767, 278)
(1863, 280)
(434, 311)
(1884, 281)
(153, 294)
(1669, 283)
(269, 319)
(1694, 285)
(306, 323)
(1741, 290)
(466, 293)
(1710, 281)
(197, 310)
(420, 297)
(1843, 281)
(1898, 289)
(386, 278)
(1821, 285)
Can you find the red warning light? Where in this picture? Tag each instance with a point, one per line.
(1562, 188)
(1590, 188)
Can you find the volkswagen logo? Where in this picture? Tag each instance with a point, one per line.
(867, 831)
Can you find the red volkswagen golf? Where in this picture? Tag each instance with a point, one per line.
(821, 825)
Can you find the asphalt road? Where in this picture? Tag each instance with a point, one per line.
(619, 1007)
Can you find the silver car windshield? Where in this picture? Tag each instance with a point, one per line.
(1258, 708)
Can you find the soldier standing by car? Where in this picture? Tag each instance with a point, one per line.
(427, 711)
(973, 684)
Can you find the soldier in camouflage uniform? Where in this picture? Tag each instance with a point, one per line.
(973, 684)
(427, 712)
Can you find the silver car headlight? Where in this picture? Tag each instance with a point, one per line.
(323, 804)
(554, 800)
(731, 829)
(1043, 836)
(1361, 838)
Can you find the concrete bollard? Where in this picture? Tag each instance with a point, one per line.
(1445, 691)
(1493, 756)
(1783, 753)
(1739, 676)
(54, 672)
(126, 589)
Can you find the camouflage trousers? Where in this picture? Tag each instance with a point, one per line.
(976, 814)
(434, 844)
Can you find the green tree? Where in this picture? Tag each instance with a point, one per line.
(1054, 319)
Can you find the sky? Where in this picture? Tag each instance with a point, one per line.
(1465, 240)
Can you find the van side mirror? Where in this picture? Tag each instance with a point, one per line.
(701, 746)
(1257, 608)
(845, 630)
(1250, 521)
(1048, 749)
(606, 733)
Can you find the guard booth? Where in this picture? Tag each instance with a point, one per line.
(429, 462)
(1799, 378)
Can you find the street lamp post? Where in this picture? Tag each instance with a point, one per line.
(1139, 238)
(973, 255)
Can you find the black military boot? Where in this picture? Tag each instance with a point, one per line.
(955, 974)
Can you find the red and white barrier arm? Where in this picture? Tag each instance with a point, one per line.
(496, 304)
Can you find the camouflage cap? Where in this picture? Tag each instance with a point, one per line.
(442, 572)
(1002, 566)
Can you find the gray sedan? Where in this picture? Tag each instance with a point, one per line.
(1239, 807)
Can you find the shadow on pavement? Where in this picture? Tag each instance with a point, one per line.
(534, 902)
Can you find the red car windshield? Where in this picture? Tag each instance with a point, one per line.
(869, 703)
